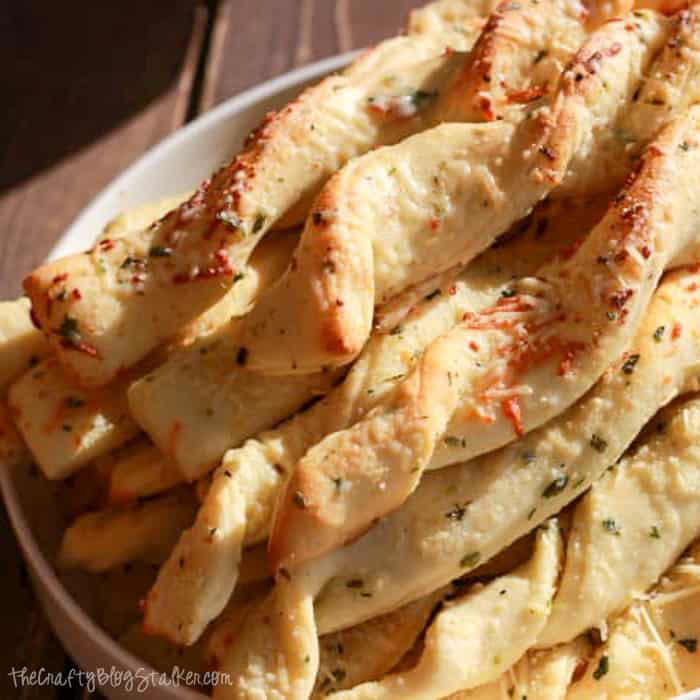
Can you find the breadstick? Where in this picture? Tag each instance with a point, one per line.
(651, 650)
(508, 369)
(397, 215)
(462, 515)
(277, 656)
(476, 638)
(65, 426)
(544, 675)
(648, 504)
(239, 504)
(136, 291)
(21, 345)
(102, 540)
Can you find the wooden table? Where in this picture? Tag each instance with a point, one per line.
(91, 86)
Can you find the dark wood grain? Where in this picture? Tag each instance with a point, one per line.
(92, 85)
(257, 39)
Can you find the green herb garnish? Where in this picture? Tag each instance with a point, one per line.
(603, 667)
(556, 487)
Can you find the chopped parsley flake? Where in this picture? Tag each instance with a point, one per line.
(689, 643)
(654, 532)
(603, 667)
(556, 487)
(160, 251)
(258, 223)
(469, 560)
(70, 331)
(242, 356)
(629, 364)
(454, 441)
(598, 444)
(659, 333)
(609, 525)
(420, 98)
(457, 513)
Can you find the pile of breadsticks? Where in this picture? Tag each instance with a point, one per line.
(401, 398)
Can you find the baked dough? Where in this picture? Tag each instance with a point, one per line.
(456, 17)
(476, 638)
(651, 649)
(21, 344)
(647, 505)
(464, 514)
(12, 450)
(241, 498)
(65, 426)
(400, 214)
(102, 540)
(276, 655)
(543, 675)
(138, 290)
(144, 472)
(507, 369)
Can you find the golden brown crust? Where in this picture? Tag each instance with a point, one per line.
(138, 290)
(381, 456)
(420, 212)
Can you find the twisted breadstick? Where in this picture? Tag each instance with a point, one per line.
(648, 504)
(238, 506)
(510, 368)
(137, 291)
(457, 518)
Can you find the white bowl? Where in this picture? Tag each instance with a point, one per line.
(177, 164)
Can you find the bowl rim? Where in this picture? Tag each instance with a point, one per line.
(45, 576)
(41, 568)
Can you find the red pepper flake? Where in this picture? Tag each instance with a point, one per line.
(452, 290)
(528, 94)
(486, 107)
(106, 244)
(614, 49)
(646, 252)
(59, 278)
(473, 346)
(76, 294)
(570, 352)
(434, 224)
(677, 330)
(511, 410)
